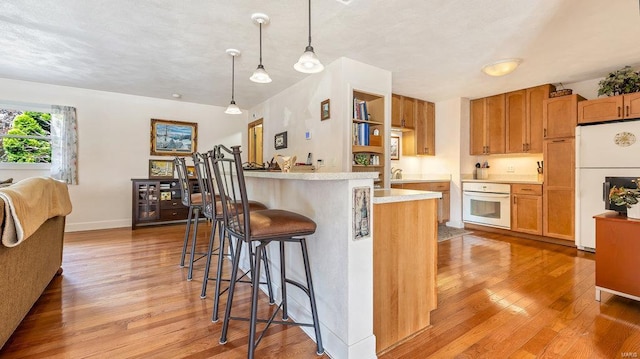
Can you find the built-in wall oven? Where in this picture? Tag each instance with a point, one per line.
(488, 204)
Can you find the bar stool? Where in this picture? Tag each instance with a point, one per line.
(194, 202)
(262, 227)
(212, 209)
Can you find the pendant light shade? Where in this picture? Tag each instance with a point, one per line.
(309, 62)
(233, 109)
(260, 75)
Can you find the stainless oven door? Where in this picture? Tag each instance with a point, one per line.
(489, 209)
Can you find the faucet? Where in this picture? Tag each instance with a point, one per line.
(396, 173)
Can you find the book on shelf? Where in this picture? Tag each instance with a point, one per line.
(360, 110)
(360, 134)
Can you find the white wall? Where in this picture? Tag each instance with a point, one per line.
(114, 143)
(297, 110)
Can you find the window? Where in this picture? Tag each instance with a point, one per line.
(25, 136)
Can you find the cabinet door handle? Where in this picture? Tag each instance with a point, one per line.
(619, 114)
(556, 141)
(514, 199)
(528, 147)
(545, 132)
(526, 189)
(627, 111)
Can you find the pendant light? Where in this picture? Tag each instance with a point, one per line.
(260, 75)
(308, 62)
(233, 109)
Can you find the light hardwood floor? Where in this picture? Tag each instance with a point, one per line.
(122, 295)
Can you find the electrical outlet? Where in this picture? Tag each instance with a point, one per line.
(320, 163)
(510, 169)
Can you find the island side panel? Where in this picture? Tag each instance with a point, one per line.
(342, 268)
(404, 269)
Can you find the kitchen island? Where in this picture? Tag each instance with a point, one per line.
(341, 251)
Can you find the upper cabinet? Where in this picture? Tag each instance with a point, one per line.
(422, 140)
(524, 119)
(560, 116)
(403, 112)
(610, 108)
(417, 120)
(488, 125)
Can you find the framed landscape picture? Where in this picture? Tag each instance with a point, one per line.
(161, 169)
(173, 138)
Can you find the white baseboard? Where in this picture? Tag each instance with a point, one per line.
(90, 226)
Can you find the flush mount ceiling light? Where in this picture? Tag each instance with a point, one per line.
(501, 67)
(308, 62)
(260, 75)
(233, 109)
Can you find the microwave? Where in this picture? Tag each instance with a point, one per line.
(609, 182)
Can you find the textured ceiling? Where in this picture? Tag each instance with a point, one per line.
(434, 48)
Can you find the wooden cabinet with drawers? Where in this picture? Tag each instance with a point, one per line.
(444, 204)
(157, 201)
(526, 208)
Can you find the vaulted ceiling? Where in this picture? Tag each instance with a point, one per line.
(434, 48)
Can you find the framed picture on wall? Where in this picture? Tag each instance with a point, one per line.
(173, 138)
(280, 140)
(325, 110)
(161, 169)
(394, 148)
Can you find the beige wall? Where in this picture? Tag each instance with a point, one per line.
(114, 139)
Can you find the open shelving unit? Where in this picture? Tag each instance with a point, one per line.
(368, 135)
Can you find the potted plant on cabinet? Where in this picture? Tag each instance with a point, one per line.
(627, 197)
(619, 82)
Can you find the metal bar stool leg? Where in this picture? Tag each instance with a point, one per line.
(221, 255)
(283, 282)
(232, 287)
(254, 301)
(205, 281)
(193, 243)
(312, 296)
(267, 274)
(186, 237)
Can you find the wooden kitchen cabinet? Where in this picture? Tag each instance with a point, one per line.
(403, 112)
(526, 208)
(560, 116)
(422, 140)
(487, 125)
(617, 251)
(558, 190)
(444, 203)
(612, 108)
(524, 119)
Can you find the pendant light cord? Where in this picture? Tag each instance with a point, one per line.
(260, 42)
(309, 22)
(233, 77)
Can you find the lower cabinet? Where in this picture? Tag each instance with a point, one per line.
(443, 204)
(526, 208)
(617, 255)
(157, 202)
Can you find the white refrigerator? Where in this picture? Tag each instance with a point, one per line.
(602, 150)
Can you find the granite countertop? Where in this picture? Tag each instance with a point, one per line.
(422, 178)
(524, 179)
(312, 176)
(401, 195)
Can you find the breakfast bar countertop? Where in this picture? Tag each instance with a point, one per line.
(402, 195)
(312, 176)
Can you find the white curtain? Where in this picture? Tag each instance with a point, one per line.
(64, 144)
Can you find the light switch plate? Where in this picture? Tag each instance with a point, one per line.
(307, 135)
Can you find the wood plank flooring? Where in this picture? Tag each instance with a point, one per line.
(122, 295)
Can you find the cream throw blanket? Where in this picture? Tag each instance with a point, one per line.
(28, 204)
